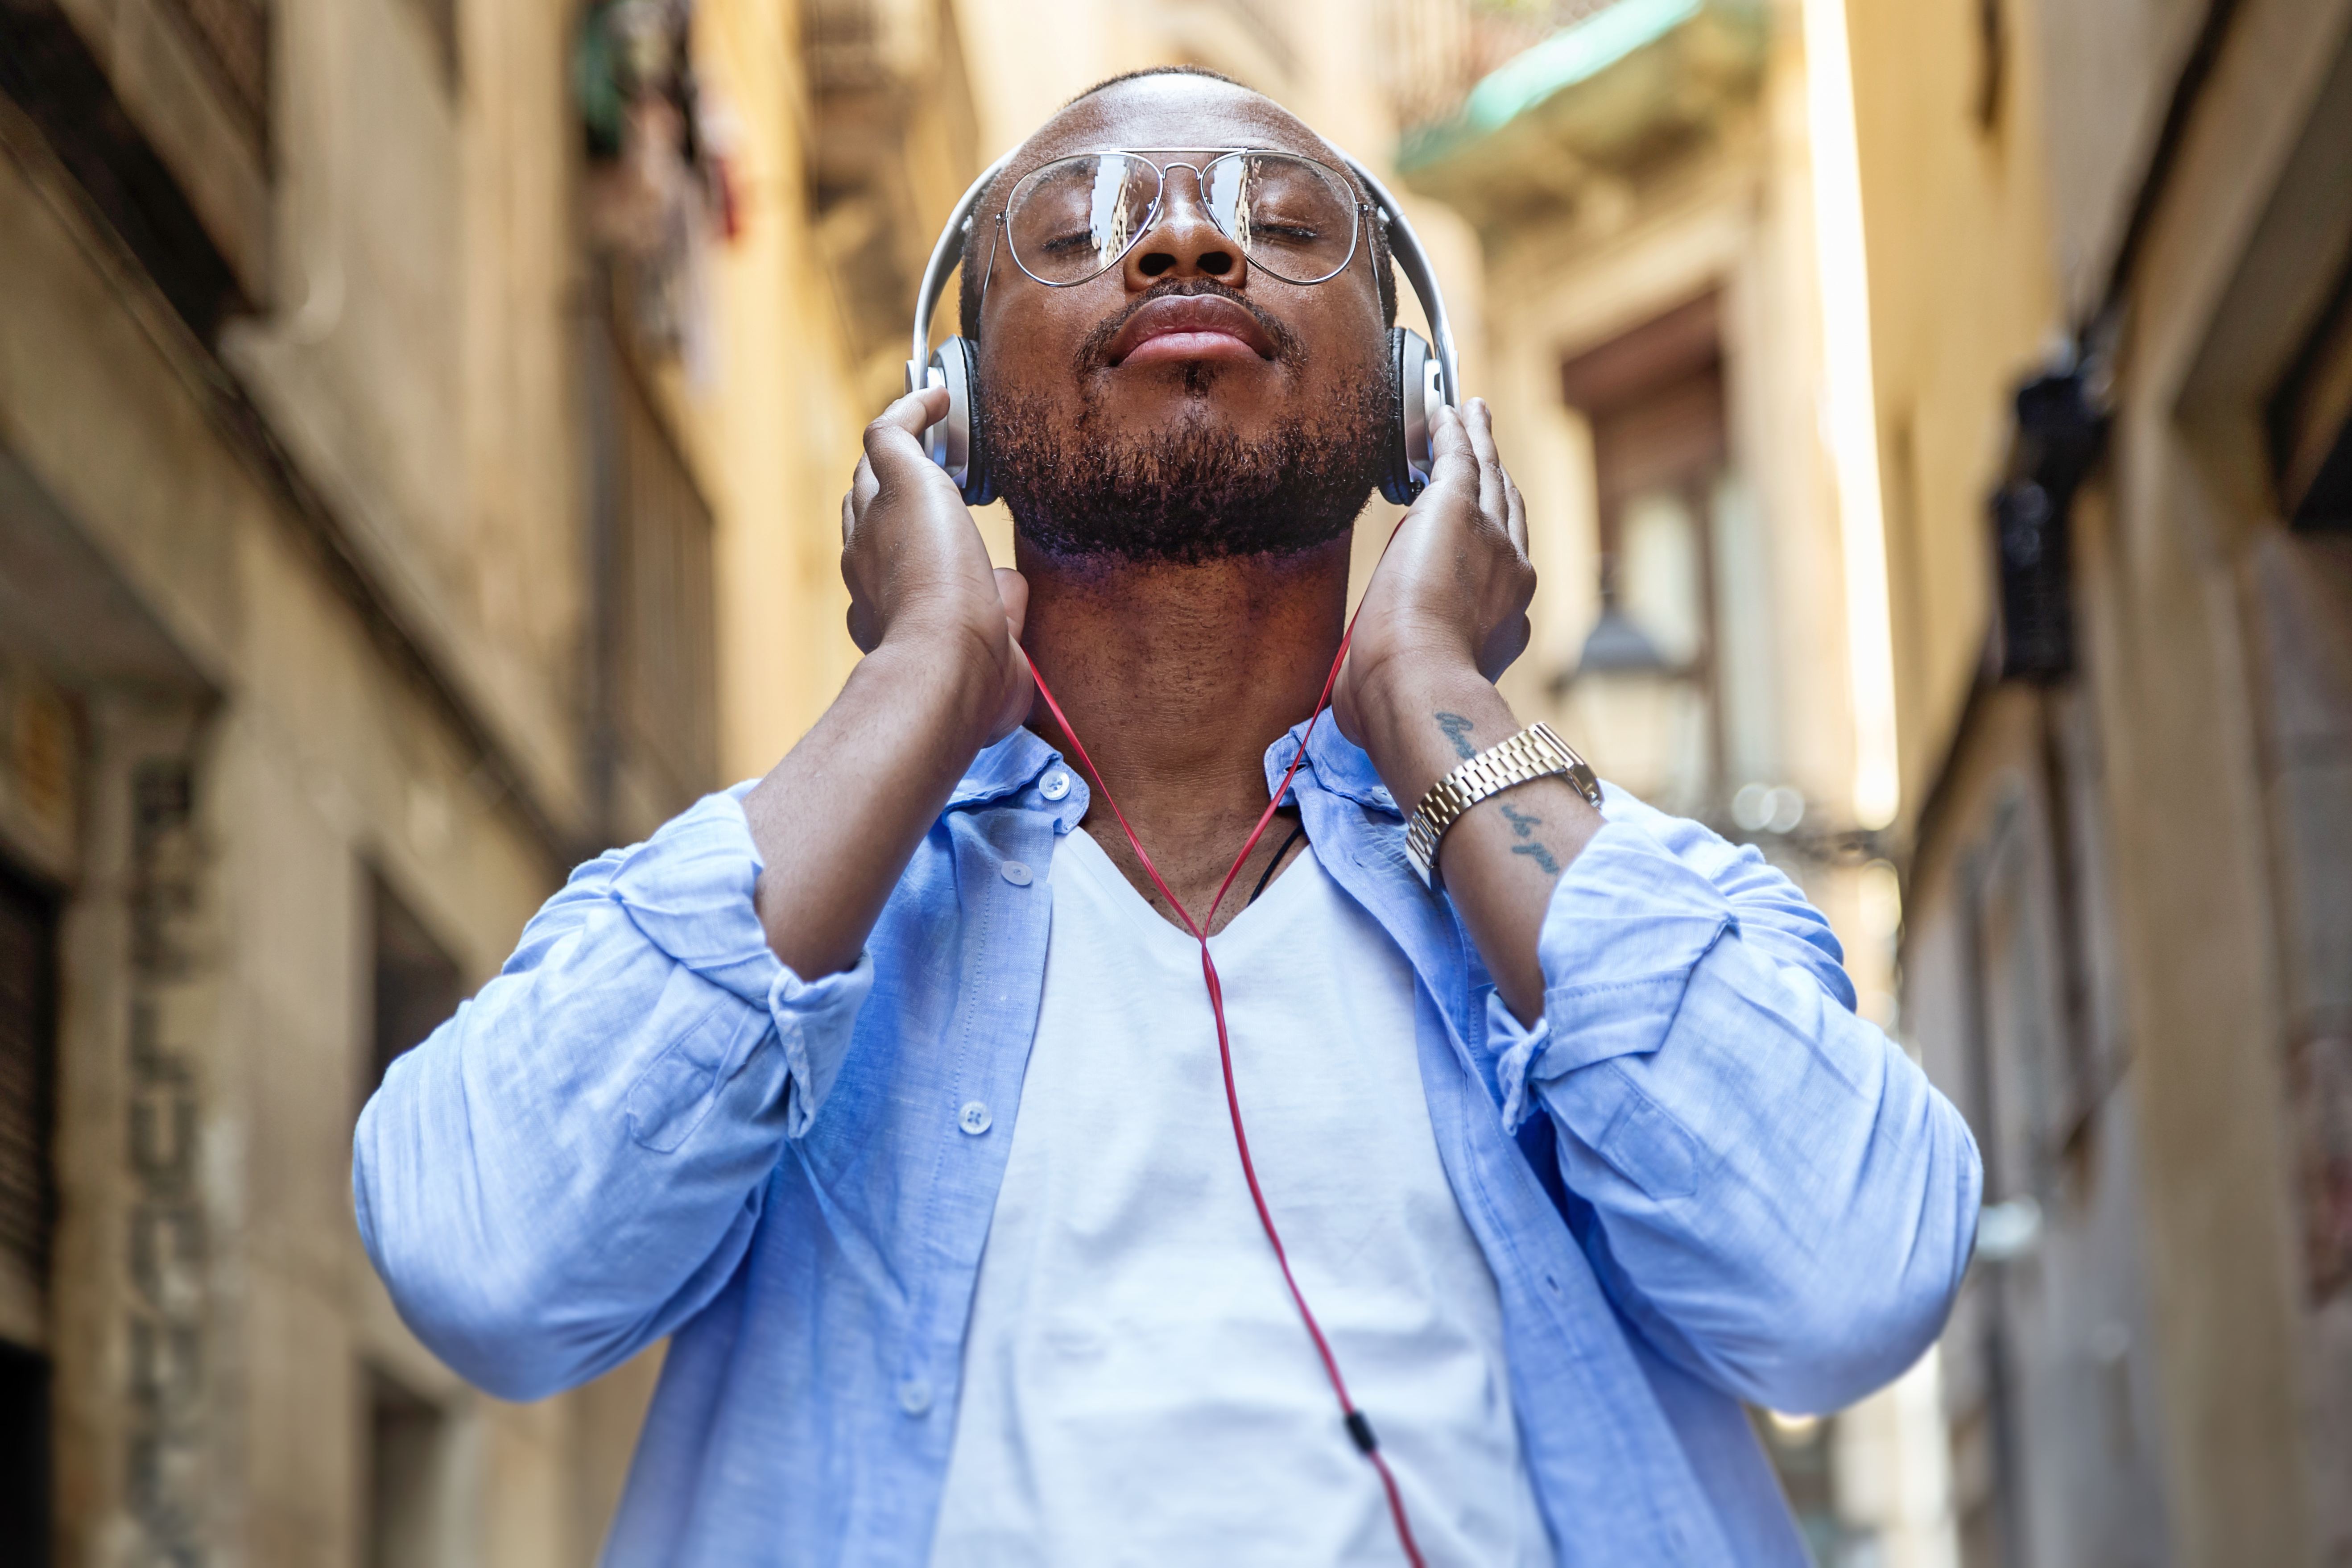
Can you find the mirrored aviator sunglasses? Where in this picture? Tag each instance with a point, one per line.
(1073, 219)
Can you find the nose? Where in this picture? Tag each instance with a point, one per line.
(1184, 243)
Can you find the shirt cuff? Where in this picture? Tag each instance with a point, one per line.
(689, 889)
(1627, 924)
(813, 1019)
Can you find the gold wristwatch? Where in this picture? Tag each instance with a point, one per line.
(1535, 752)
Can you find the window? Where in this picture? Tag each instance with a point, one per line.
(27, 1208)
(656, 739)
(24, 1452)
(416, 984)
(2310, 421)
(439, 18)
(1645, 680)
(403, 1477)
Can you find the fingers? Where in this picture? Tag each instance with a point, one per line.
(915, 413)
(1478, 425)
(1493, 483)
(863, 487)
(865, 629)
(1516, 518)
(1511, 641)
(1013, 589)
(893, 446)
(1452, 463)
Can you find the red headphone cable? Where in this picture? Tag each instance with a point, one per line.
(1359, 1429)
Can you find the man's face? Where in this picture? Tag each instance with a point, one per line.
(1185, 405)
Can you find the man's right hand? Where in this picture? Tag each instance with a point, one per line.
(944, 676)
(918, 573)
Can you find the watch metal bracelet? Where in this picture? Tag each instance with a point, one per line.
(1535, 752)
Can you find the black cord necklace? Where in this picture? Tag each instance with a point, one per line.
(1275, 865)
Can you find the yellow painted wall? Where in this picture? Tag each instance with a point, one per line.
(775, 434)
(1964, 304)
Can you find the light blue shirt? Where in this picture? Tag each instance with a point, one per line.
(1701, 1179)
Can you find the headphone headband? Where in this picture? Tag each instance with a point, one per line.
(1404, 247)
(944, 257)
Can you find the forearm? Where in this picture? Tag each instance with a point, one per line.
(1785, 1203)
(568, 1167)
(837, 820)
(1501, 860)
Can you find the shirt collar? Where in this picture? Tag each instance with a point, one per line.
(1334, 763)
(1005, 769)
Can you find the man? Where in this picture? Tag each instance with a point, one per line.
(888, 1092)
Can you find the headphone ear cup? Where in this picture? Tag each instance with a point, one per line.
(953, 443)
(979, 482)
(1413, 395)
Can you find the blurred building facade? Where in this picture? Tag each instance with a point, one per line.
(422, 425)
(2110, 255)
(421, 430)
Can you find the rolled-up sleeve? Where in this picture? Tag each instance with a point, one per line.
(572, 1165)
(1782, 1203)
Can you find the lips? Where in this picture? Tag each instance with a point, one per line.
(1190, 327)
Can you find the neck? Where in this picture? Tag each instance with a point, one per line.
(1178, 678)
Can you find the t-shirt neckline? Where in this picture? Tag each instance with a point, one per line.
(1094, 861)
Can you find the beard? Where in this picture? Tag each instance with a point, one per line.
(1193, 491)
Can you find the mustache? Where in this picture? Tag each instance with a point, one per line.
(1288, 350)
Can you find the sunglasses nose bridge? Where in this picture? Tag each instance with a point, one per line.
(1163, 204)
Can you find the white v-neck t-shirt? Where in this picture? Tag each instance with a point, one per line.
(1138, 1388)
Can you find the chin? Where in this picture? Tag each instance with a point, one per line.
(1198, 396)
(1174, 477)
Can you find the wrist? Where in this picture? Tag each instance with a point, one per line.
(1424, 718)
(947, 679)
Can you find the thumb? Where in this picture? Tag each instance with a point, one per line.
(1453, 464)
(895, 439)
(1013, 589)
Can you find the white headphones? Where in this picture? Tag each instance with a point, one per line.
(1422, 380)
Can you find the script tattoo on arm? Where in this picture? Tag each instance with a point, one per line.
(1457, 730)
(1524, 823)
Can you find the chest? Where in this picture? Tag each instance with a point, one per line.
(1124, 1127)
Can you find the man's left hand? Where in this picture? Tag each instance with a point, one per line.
(1445, 615)
(1451, 592)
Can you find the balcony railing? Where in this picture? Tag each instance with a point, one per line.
(1435, 51)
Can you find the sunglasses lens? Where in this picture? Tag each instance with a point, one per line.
(1290, 216)
(1076, 217)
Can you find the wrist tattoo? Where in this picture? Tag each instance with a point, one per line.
(1457, 730)
(1523, 823)
(1540, 855)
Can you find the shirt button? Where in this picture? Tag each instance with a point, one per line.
(1055, 785)
(1016, 872)
(974, 1117)
(1382, 796)
(914, 1397)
